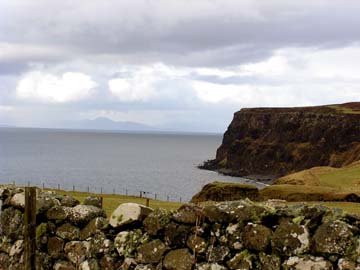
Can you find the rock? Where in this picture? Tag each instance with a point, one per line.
(4, 261)
(93, 200)
(256, 237)
(129, 263)
(96, 225)
(58, 213)
(176, 235)
(233, 234)
(151, 252)
(209, 266)
(217, 254)
(69, 201)
(345, 264)
(127, 213)
(100, 245)
(55, 247)
(63, 265)
(11, 223)
(269, 262)
(45, 201)
(68, 232)
(189, 214)
(89, 265)
(82, 214)
(242, 260)
(43, 261)
(144, 267)
(77, 251)
(290, 239)
(18, 200)
(238, 211)
(156, 221)
(334, 237)
(108, 262)
(126, 242)
(307, 263)
(197, 244)
(179, 259)
(17, 248)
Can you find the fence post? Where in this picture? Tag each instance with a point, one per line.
(30, 228)
(147, 202)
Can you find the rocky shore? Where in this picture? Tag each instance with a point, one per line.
(228, 235)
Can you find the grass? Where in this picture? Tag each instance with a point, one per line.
(342, 179)
(111, 202)
(345, 110)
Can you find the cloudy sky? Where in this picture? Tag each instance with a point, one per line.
(174, 64)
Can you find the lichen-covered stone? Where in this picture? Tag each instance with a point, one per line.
(63, 265)
(93, 200)
(334, 237)
(126, 242)
(188, 214)
(346, 264)
(242, 260)
(217, 254)
(45, 201)
(43, 261)
(4, 261)
(109, 262)
(100, 245)
(77, 251)
(96, 225)
(144, 267)
(290, 239)
(11, 223)
(82, 214)
(176, 235)
(307, 263)
(269, 262)
(233, 234)
(209, 266)
(127, 213)
(156, 221)
(58, 213)
(151, 252)
(17, 248)
(197, 244)
(256, 237)
(91, 264)
(179, 259)
(55, 247)
(18, 200)
(68, 232)
(69, 201)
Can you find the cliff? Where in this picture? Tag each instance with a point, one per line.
(278, 141)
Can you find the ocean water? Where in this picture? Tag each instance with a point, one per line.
(161, 164)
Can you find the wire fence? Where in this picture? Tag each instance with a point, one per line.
(135, 192)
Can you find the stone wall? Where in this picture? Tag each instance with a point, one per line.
(229, 235)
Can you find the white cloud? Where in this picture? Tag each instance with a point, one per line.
(46, 87)
(139, 82)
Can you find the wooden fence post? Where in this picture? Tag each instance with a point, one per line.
(30, 228)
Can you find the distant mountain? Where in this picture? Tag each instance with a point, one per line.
(103, 123)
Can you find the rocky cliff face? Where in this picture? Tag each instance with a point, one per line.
(278, 141)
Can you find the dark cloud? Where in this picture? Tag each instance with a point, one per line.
(200, 33)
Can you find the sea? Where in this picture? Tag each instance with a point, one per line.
(156, 165)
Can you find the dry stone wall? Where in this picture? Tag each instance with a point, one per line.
(229, 235)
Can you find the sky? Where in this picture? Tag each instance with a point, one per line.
(173, 64)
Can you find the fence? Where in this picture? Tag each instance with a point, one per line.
(101, 190)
